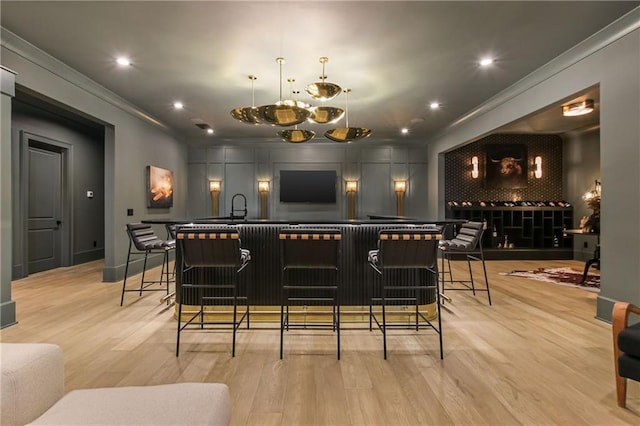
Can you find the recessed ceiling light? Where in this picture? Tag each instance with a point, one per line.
(486, 61)
(209, 131)
(434, 105)
(178, 105)
(404, 131)
(125, 62)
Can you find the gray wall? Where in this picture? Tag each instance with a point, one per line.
(581, 169)
(610, 58)
(7, 91)
(87, 173)
(132, 141)
(375, 169)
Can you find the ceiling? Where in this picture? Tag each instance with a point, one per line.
(396, 56)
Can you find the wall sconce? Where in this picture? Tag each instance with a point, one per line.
(263, 189)
(474, 171)
(351, 187)
(214, 188)
(538, 171)
(400, 186)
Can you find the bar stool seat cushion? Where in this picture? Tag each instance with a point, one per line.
(456, 244)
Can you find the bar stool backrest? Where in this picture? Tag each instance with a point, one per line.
(310, 248)
(143, 237)
(408, 248)
(468, 237)
(218, 247)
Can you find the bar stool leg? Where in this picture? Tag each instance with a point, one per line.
(144, 269)
(473, 286)
(126, 271)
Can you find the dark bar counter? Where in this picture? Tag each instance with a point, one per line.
(262, 278)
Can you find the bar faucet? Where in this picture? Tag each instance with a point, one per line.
(234, 210)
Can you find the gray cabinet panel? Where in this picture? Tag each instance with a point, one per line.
(197, 155)
(375, 193)
(399, 154)
(308, 153)
(240, 179)
(239, 155)
(198, 204)
(416, 204)
(215, 155)
(375, 155)
(418, 154)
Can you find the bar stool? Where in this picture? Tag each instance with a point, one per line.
(312, 256)
(406, 262)
(211, 260)
(145, 241)
(467, 242)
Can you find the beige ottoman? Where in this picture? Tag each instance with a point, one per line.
(32, 381)
(174, 404)
(33, 388)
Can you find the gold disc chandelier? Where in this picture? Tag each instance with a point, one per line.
(291, 112)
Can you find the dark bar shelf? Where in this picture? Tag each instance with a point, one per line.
(530, 228)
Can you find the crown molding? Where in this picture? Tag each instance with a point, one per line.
(38, 57)
(613, 32)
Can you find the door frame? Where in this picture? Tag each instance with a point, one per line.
(28, 139)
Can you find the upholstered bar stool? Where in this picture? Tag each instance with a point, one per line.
(468, 243)
(400, 252)
(312, 255)
(142, 242)
(211, 260)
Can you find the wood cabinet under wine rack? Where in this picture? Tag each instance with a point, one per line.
(535, 232)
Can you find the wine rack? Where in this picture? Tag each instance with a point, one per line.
(530, 232)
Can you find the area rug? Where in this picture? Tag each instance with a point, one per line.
(563, 276)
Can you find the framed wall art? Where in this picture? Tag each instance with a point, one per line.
(159, 188)
(506, 166)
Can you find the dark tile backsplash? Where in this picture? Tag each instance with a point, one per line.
(460, 186)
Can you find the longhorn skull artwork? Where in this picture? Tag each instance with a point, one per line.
(506, 166)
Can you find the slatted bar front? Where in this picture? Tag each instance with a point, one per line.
(263, 277)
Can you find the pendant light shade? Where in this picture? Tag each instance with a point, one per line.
(282, 113)
(296, 135)
(347, 134)
(325, 114)
(248, 115)
(322, 90)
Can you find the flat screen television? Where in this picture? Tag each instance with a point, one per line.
(308, 186)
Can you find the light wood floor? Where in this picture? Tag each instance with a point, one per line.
(536, 357)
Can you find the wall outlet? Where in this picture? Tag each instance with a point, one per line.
(129, 212)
